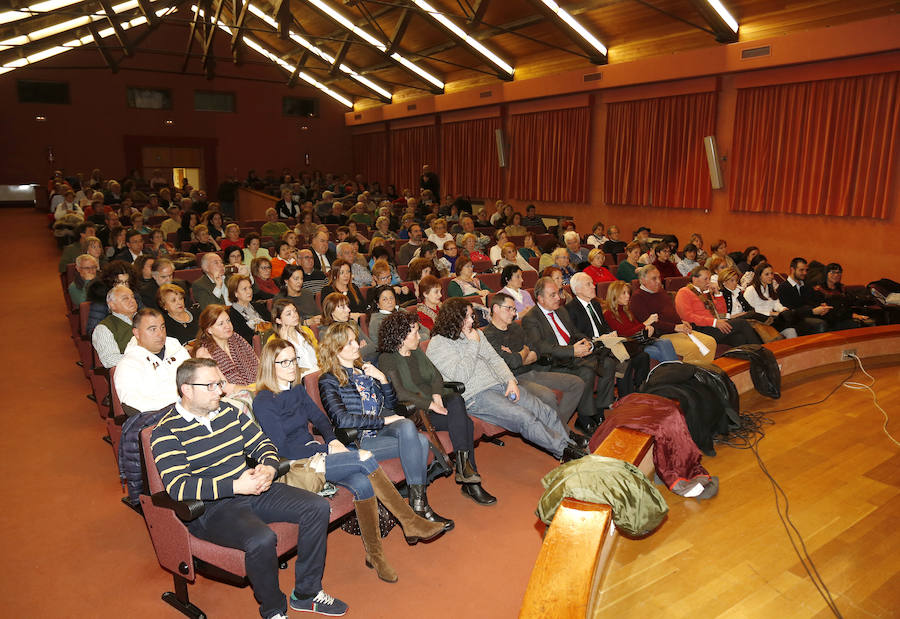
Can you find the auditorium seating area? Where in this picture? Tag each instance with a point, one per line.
(577, 594)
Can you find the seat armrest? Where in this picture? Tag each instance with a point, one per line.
(405, 409)
(455, 387)
(282, 469)
(185, 510)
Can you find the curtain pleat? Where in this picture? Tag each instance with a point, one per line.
(370, 157)
(817, 148)
(469, 165)
(411, 149)
(549, 154)
(654, 151)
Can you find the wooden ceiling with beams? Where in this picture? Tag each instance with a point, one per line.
(523, 33)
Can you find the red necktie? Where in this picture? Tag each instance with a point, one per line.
(558, 327)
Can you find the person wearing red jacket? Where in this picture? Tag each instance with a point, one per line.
(702, 305)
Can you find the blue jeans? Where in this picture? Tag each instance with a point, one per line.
(401, 439)
(348, 470)
(661, 350)
(527, 416)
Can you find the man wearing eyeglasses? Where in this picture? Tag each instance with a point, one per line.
(508, 339)
(145, 377)
(200, 447)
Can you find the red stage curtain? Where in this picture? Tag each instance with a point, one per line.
(411, 149)
(817, 148)
(654, 151)
(370, 157)
(469, 164)
(549, 155)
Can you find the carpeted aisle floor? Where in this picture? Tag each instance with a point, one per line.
(72, 549)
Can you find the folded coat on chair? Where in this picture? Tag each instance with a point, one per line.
(675, 456)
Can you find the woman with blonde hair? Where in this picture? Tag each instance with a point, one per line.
(620, 319)
(284, 411)
(597, 270)
(358, 396)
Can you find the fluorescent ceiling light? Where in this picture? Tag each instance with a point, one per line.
(321, 53)
(724, 14)
(576, 26)
(76, 43)
(41, 7)
(349, 25)
(70, 24)
(258, 47)
(379, 45)
(474, 44)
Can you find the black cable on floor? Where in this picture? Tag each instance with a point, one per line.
(748, 436)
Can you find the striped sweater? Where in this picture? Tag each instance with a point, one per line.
(197, 464)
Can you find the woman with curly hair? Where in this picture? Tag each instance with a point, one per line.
(416, 380)
(463, 354)
(358, 396)
(284, 411)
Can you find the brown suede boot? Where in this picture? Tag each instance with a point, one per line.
(367, 515)
(415, 527)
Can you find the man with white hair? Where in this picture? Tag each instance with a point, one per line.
(87, 267)
(112, 334)
(210, 287)
(324, 206)
(577, 253)
(361, 275)
(145, 375)
(273, 227)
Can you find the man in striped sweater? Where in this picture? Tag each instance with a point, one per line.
(199, 447)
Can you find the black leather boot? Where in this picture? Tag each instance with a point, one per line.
(465, 472)
(418, 500)
(478, 494)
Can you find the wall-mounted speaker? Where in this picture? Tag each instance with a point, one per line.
(501, 147)
(712, 159)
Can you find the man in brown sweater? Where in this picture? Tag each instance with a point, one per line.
(651, 299)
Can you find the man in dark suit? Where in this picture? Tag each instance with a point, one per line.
(550, 331)
(134, 247)
(587, 316)
(808, 304)
(322, 255)
(210, 288)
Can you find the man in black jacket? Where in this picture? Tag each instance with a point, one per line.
(808, 304)
(587, 316)
(550, 331)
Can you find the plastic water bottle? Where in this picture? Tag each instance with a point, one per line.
(513, 397)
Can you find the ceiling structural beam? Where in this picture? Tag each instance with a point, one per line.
(574, 30)
(239, 12)
(359, 23)
(104, 52)
(504, 70)
(284, 18)
(395, 58)
(117, 27)
(400, 30)
(339, 57)
(147, 12)
(207, 45)
(301, 64)
(478, 13)
(723, 24)
(187, 53)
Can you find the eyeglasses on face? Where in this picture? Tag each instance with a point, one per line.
(210, 386)
(511, 308)
(286, 363)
